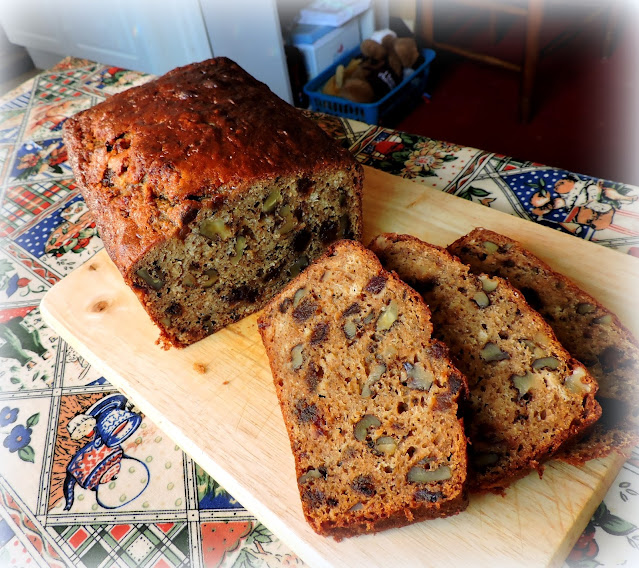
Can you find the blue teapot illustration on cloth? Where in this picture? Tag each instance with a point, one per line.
(107, 423)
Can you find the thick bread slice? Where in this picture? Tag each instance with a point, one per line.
(587, 329)
(528, 396)
(369, 400)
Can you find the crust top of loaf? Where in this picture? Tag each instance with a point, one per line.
(150, 157)
(202, 129)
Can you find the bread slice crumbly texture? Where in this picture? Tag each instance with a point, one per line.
(369, 400)
(528, 396)
(210, 193)
(587, 329)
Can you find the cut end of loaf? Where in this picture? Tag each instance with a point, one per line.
(228, 262)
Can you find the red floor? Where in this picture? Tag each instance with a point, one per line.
(586, 105)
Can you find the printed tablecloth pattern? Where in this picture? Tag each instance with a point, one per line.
(82, 486)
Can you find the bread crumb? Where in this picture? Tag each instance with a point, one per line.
(226, 382)
(199, 367)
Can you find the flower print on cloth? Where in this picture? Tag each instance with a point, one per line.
(12, 282)
(18, 439)
(8, 416)
(429, 156)
(586, 550)
(111, 80)
(119, 77)
(406, 155)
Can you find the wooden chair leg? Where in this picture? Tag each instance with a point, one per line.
(424, 23)
(492, 27)
(531, 57)
(612, 28)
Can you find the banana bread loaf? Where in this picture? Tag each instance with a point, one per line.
(587, 329)
(210, 193)
(369, 400)
(528, 396)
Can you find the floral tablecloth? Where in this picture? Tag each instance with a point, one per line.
(151, 505)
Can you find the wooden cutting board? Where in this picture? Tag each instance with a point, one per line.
(228, 418)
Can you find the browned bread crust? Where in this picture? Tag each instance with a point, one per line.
(369, 400)
(587, 329)
(210, 192)
(528, 395)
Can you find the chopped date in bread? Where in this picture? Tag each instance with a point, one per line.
(371, 403)
(528, 396)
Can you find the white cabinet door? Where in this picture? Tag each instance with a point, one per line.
(33, 23)
(105, 34)
(146, 35)
(249, 33)
(155, 35)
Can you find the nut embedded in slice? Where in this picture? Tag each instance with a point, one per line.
(386, 444)
(523, 383)
(481, 299)
(213, 228)
(388, 316)
(418, 474)
(297, 358)
(363, 426)
(492, 352)
(375, 375)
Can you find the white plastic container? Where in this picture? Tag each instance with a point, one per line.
(330, 47)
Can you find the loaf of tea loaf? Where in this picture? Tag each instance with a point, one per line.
(587, 329)
(369, 400)
(528, 396)
(210, 193)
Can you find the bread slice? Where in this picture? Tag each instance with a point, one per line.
(369, 400)
(210, 193)
(586, 328)
(528, 396)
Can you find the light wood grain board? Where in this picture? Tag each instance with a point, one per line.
(228, 419)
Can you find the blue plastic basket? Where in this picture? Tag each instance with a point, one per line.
(402, 98)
